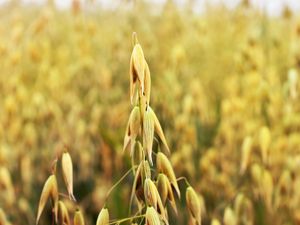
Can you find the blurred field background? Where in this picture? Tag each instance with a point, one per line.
(225, 88)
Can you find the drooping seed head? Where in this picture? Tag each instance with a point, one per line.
(78, 218)
(215, 222)
(132, 129)
(256, 173)
(193, 204)
(229, 217)
(264, 142)
(164, 166)
(148, 133)
(137, 155)
(162, 187)
(137, 68)
(143, 172)
(152, 217)
(5, 179)
(150, 193)
(246, 150)
(147, 83)
(238, 203)
(134, 39)
(267, 188)
(165, 190)
(49, 190)
(63, 215)
(103, 217)
(67, 169)
(159, 130)
(3, 220)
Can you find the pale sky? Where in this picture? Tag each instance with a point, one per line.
(273, 7)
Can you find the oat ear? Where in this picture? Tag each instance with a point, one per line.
(162, 187)
(137, 155)
(229, 217)
(136, 181)
(67, 170)
(159, 130)
(63, 215)
(49, 191)
(3, 219)
(152, 217)
(138, 63)
(164, 166)
(148, 134)
(132, 129)
(246, 151)
(134, 39)
(193, 204)
(133, 80)
(103, 217)
(215, 222)
(264, 142)
(150, 193)
(135, 126)
(78, 218)
(147, 83)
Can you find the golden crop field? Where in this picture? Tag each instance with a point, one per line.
(133, 115)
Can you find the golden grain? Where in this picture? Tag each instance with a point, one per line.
(67, 169)
(103, 217)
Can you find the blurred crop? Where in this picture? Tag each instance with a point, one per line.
(225, 87)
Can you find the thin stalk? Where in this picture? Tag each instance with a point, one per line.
(126, 219)
(117, 183)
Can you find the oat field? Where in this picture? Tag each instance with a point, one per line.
(140, 115)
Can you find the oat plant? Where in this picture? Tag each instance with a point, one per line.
(155, 184)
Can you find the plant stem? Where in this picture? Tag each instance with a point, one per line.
(117, 183)
(126, 219)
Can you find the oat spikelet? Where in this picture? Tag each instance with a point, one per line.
(143, 172)
(133, 81)
(165, 190)
(246, 151)
(238, 203)
(193, 203)
(67, 169)
(148, 134)
(159, 130)
(103, 217)
(137, 68)
(162, 187)
(137, 155)
(215, 222)
(153, 198)
(256, 173)
(6, 182)
(132, 129)
(49, 190)
(135, 126)
(147, 83)
(3, 220)
(264, 142)
(134, 39)
(63, 215)
(78, 218)
(164, 166)
(150, 193)
(152, 217)
(229, 217)
(5, 179)
(267, 188)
